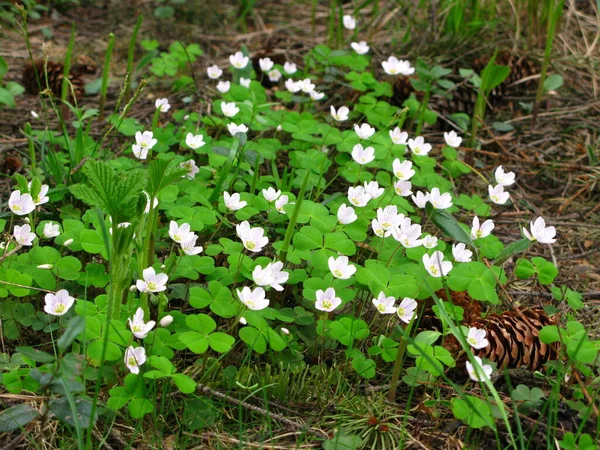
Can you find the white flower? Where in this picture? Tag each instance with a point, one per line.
(143, 142)
(388, 217)
(346, 214)
(35, 115)
(372, 188)
(179, 233)
(152, 282)
(540, 232)
(452, 139)
(395, 66)
(430, 241)
(274, 75)
(134, 358)
(398, 137)
(349, 22)
(403, 188)
(420, 199)
(497, 194)
(233, 202)
(189, 245)
(223, 86)
(365, 131)
(377, 228)
(340, 267)
(316, 95)
(190, 166)
(403, 170)
(290, 67)
(272, 275)
(166, 321)
(385, 305)
(281, 202)
(271, 194)
(438, 200)
(238, 60)
(265, 64)
(214, 72)
(406, 309)
(306, 85)
(253, 299)
(477, 338)
(162, 104)
(41, 198)
(292, 86)
(21, 204)
(435, 264)
(194, 141)
(154, 203)
(235, 129)
(360, 47)
(51, 230)
(481, 372)
(358, 196)
(58, 304)
(504, 178)
(461, 253)
(483, 230)
(341, 114)
(252, 238)
(229, 109)
(326, 300)
(139, 328)
(245, 82)
(23, 235)
(363, 156)
(408, 235)
(418, 146)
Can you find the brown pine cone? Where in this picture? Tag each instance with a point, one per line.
(34, 77)
(402, 88)
(471, 310)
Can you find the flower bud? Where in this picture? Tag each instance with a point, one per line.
(46, 266)
(163, 267)
(26, 220)
(285, 331)
(68, 242)
(166, 321)
(34, 115)
(243, 321)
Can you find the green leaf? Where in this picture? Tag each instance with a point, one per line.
(36, 355)
(476, 413)
(17, 417)
(139, 407)
(201, 322)
(511, 250)
(364, 367)
(221, 342)
(184, 383)
(75, 326)
(343, 441)
(547, 271)
(347, 329)
(553, 82)
(254, 339)
(549, 334)
(448, 225)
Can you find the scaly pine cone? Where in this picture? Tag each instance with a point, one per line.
(402, 88)
(471, 309)
(459, 100)
(35, 72)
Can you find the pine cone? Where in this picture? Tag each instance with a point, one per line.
(402, 89)
(520, 68)
(514, 338)
(471, 309)
(34, 76)
(460, 100)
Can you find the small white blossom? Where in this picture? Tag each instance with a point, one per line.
(349, 22)
(233, 202)
(214, 72)
(430, 241)
(229, 109)
(363, 155)
(162, 104)
(307, 85)
(189, 245)
(360, 47)
(418, 146)
(452, 139)
(20, 204)
(166, 321)
(497, 194)
(316, 95)
(35, 115)
(243, 321)
(540, 232)
(292, 86)
(408, 235)
(190, 166)
(179, 233)
(272, 275)
(223, 86)
(439, 200)
(385, 305)
(504, 178)
(364, 131)
(372, 188)
(398, 137)
(143, 142)
(235, 129)
(274, 75)
(340, 267)
(254, 299)
(403, 188)
(281, 202)
(154, 203)
(378, 228)
(252, 238)
(245, 82)
(420, 199)
(483, 230)
(341, 114)
(403, 170)
(139, 328)
(481, 372)
(23, 235)
(326, 300)
(406, 309)
(290, 67)
(265, 64)
(346, 214)
(461, 253)
(435, 264)
(152, 281)
(477, 338)
(271, 194)
(134, 358)
(285, 331)
(389, 218)
(41, 197)
(194, 141)
(358, 196)
(395, 66)
(58, 304)
(238, 60)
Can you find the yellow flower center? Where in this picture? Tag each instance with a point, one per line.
(137, 328)
(338, 273)
(16, 208)
(381, 307)
(250, 245)
(60, 308)
(401, 312)
(472, 341)
(132, 361)
(151, 286)
(327, 304)
(400, 174)
(433, 269)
